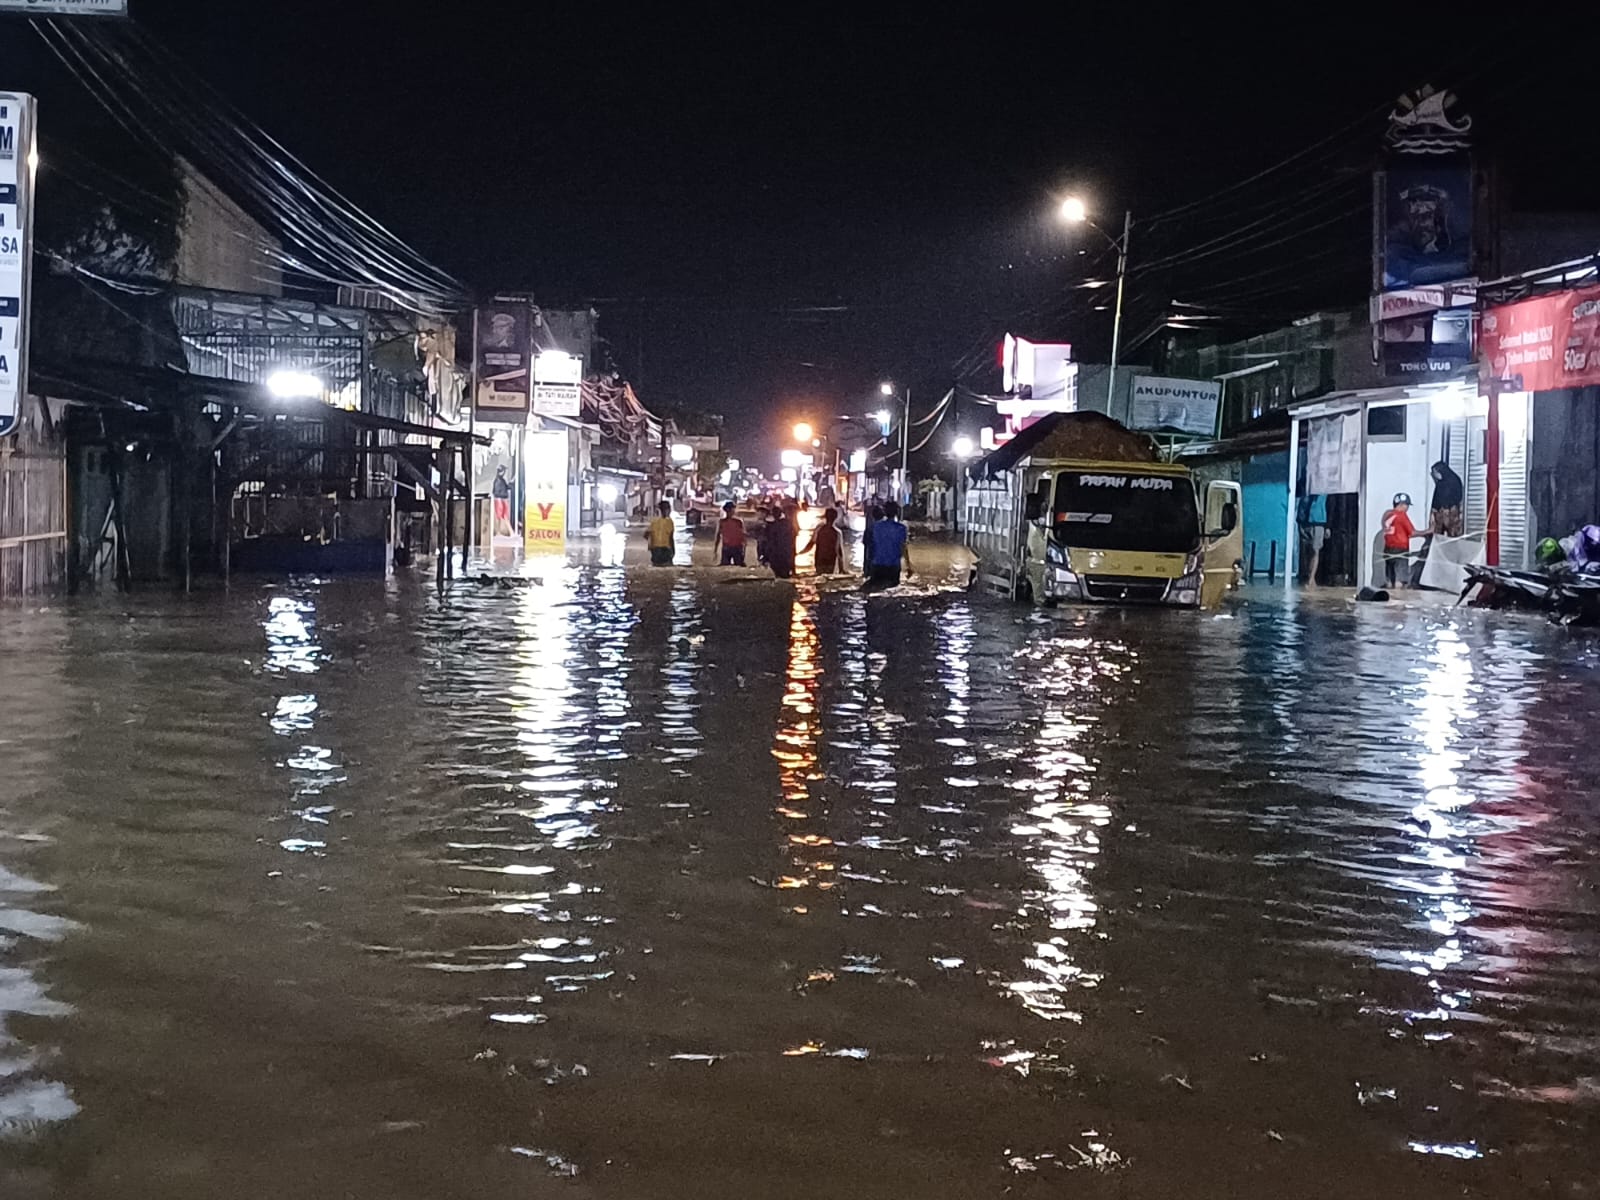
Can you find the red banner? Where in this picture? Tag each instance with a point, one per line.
(1542, 344)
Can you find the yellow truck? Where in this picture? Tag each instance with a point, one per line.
(1083, 511)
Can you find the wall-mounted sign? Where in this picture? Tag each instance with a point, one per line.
(544, 479)
(1429, 122)
(65, 8)
(1410, 302)
(1544, 343)
(1427, 224)
(16, 251)
(1425, 346)
(504, 350)
(557, 384)
(1175, 405)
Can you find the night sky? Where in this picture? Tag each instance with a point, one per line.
(775, 208)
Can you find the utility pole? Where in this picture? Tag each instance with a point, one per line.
(1076, 212)
(1116, 323)
(905, 452)
(472, 429)
(662, 494)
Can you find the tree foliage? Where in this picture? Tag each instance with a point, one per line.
(106, 201)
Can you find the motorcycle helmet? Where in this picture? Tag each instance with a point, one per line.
(1401, 498)
(1549, 552)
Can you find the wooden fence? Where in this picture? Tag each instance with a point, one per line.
(33, 507)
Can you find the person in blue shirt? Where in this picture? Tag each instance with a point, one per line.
(1313, 521)
(874, 515)
(888, 552)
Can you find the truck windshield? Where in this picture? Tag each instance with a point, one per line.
(1115, 510)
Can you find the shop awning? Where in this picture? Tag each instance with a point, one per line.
(119, 384)
(1335, 404)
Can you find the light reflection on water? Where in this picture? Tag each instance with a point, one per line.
(30, 1099)
(646, 876)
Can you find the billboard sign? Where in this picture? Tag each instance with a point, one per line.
(1042, 371)
(1175, 405)
(544, 477)
(1544, 343)
(65, 8)
(16, 251)
(1426, 224)
(557, 384)
(502, 331)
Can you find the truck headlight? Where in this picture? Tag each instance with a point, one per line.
(1186, 588)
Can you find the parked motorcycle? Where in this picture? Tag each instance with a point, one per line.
(1564, 595)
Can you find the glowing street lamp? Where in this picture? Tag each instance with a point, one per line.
(803, 432)
(962, 448)
(1075, 212)
(294, 385)
(886, 388)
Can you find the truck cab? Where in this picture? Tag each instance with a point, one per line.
(1127, 533)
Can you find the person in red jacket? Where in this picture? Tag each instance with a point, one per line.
(1397, 534)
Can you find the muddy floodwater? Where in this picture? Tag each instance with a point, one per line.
(647, 883)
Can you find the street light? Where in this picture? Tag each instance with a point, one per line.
(962, 447)
(886, 388)
(294, 385)
(803, 432)
(1076, 212)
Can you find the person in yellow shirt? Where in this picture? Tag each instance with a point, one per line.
(662, 536)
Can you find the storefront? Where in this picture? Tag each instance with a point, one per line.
(1352, 453)
(1540, 363)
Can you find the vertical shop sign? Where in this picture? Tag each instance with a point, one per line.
(504, 350)
(16, 250)
(544, 518)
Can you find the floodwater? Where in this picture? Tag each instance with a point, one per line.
(657, 883)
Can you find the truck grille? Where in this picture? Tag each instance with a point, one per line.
(1134, 588)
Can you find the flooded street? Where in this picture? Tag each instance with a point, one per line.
(665, 883)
